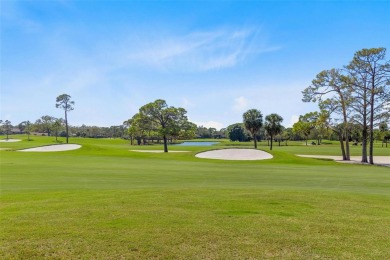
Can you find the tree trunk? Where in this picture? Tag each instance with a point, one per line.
(66, 124)
(271, 143)
(165, 144)
(347, 152)
(306, 139)
(371, 149)
(364, 132)
(364, 145)
(255, 140)
(372, 124)
(342, 146)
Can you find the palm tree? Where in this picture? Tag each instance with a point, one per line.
(253, 121)
(273, 125)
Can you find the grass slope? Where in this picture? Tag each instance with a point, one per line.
(103, 201)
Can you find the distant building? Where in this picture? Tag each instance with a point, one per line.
(16, 131)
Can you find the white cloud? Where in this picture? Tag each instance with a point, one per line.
(208, 124)
(240, 104)
(293, 120)
(199, 51)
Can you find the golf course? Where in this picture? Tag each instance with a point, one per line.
(181, 130)
(104, 201)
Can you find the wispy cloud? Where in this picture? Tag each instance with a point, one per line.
(200, 51)
(240, 104)
(12, 16)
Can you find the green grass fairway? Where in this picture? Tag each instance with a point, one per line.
(105, 202)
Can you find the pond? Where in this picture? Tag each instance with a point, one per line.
(196, 144)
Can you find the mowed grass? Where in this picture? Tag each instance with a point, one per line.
(106, 202)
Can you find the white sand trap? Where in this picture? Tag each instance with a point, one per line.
(158, 151)
(235, 154)
(378, 160)
(53, 148)
(10, 140)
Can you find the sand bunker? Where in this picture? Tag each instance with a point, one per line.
(158, 151)
(53, 148)
(235, 154)
(10, 140)
(378, 160)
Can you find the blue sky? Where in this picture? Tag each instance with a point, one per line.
(215, 58)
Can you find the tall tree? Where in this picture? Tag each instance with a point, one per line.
(332, 91)
(273, 126)
(63, 101)
(167, 119)
(253, 121)
(370, 74)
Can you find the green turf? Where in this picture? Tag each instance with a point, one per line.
(106, 202)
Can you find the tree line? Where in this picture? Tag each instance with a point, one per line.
(52, 126)
(357, 94)
(354, 104)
